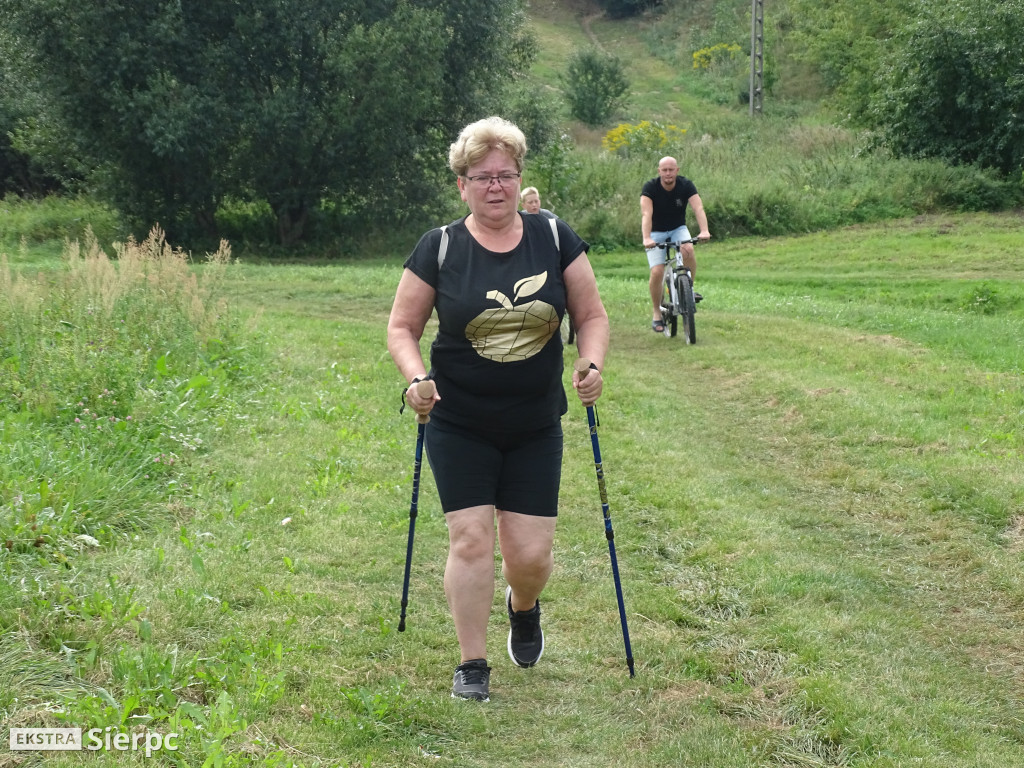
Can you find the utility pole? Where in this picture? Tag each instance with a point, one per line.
(756, 56)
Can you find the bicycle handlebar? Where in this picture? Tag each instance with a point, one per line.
(677, 243)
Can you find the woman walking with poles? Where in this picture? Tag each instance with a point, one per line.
(500, 282)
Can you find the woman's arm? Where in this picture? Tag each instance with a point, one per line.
(591, 321)
(414, 302)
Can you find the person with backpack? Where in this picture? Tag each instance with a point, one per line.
(500, 281)
(531, 202)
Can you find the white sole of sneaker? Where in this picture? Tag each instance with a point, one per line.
(470, 698)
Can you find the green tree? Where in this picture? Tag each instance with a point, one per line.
(595, 86)
(845, 42)
(953, 87)
(24, 170)
(178, 105)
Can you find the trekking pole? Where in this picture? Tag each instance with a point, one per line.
(423, 389)
(582, 366)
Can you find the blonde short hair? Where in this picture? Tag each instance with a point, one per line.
(529, 191)
(479, 138)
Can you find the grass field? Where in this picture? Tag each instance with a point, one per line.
(818, 510)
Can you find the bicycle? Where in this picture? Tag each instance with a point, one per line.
(677, 292)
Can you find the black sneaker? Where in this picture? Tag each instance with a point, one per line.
(472, 681)
(697, 298)
(525, 637)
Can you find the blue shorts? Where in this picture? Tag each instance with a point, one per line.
(516, 472)
(656, 256)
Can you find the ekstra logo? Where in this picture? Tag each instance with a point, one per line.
(46, 739)
(95, 739)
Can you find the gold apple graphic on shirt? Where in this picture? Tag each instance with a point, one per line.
(514, 331)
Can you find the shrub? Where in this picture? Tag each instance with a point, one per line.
(642, 139)
(715, 56)
(595, 85)
(621, 9)
(58, 218)
(554, 171)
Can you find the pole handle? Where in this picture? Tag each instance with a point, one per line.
(582, 366)
(425, 389)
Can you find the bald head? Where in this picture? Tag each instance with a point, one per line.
(668, 170)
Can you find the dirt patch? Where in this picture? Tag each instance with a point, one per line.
(1014, 534)
(585, 23)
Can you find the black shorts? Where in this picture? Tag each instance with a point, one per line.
(516, 472)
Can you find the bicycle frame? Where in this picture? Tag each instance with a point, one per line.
(678, 301)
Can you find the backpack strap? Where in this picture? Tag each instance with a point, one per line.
(554, 231)
(442, 249)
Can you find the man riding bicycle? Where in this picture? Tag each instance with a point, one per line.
(663, 202)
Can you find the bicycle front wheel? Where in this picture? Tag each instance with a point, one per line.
(669, 306)
(688, 307)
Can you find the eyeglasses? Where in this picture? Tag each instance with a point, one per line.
(504, 179)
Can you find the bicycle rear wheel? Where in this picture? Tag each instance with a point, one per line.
(688, 306)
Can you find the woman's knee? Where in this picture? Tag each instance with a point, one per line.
(471, 539)
(527, 556)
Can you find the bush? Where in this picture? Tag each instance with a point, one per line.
(715, 56)
(644, 139)
(554, 171)
(596, 86)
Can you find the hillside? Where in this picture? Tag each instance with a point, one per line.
(656, 50)
(793, 168)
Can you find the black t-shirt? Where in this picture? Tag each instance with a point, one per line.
(497, 356)
(669, 206)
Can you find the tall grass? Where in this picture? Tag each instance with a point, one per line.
(105, 365)
(87, 333)
(114, 372)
